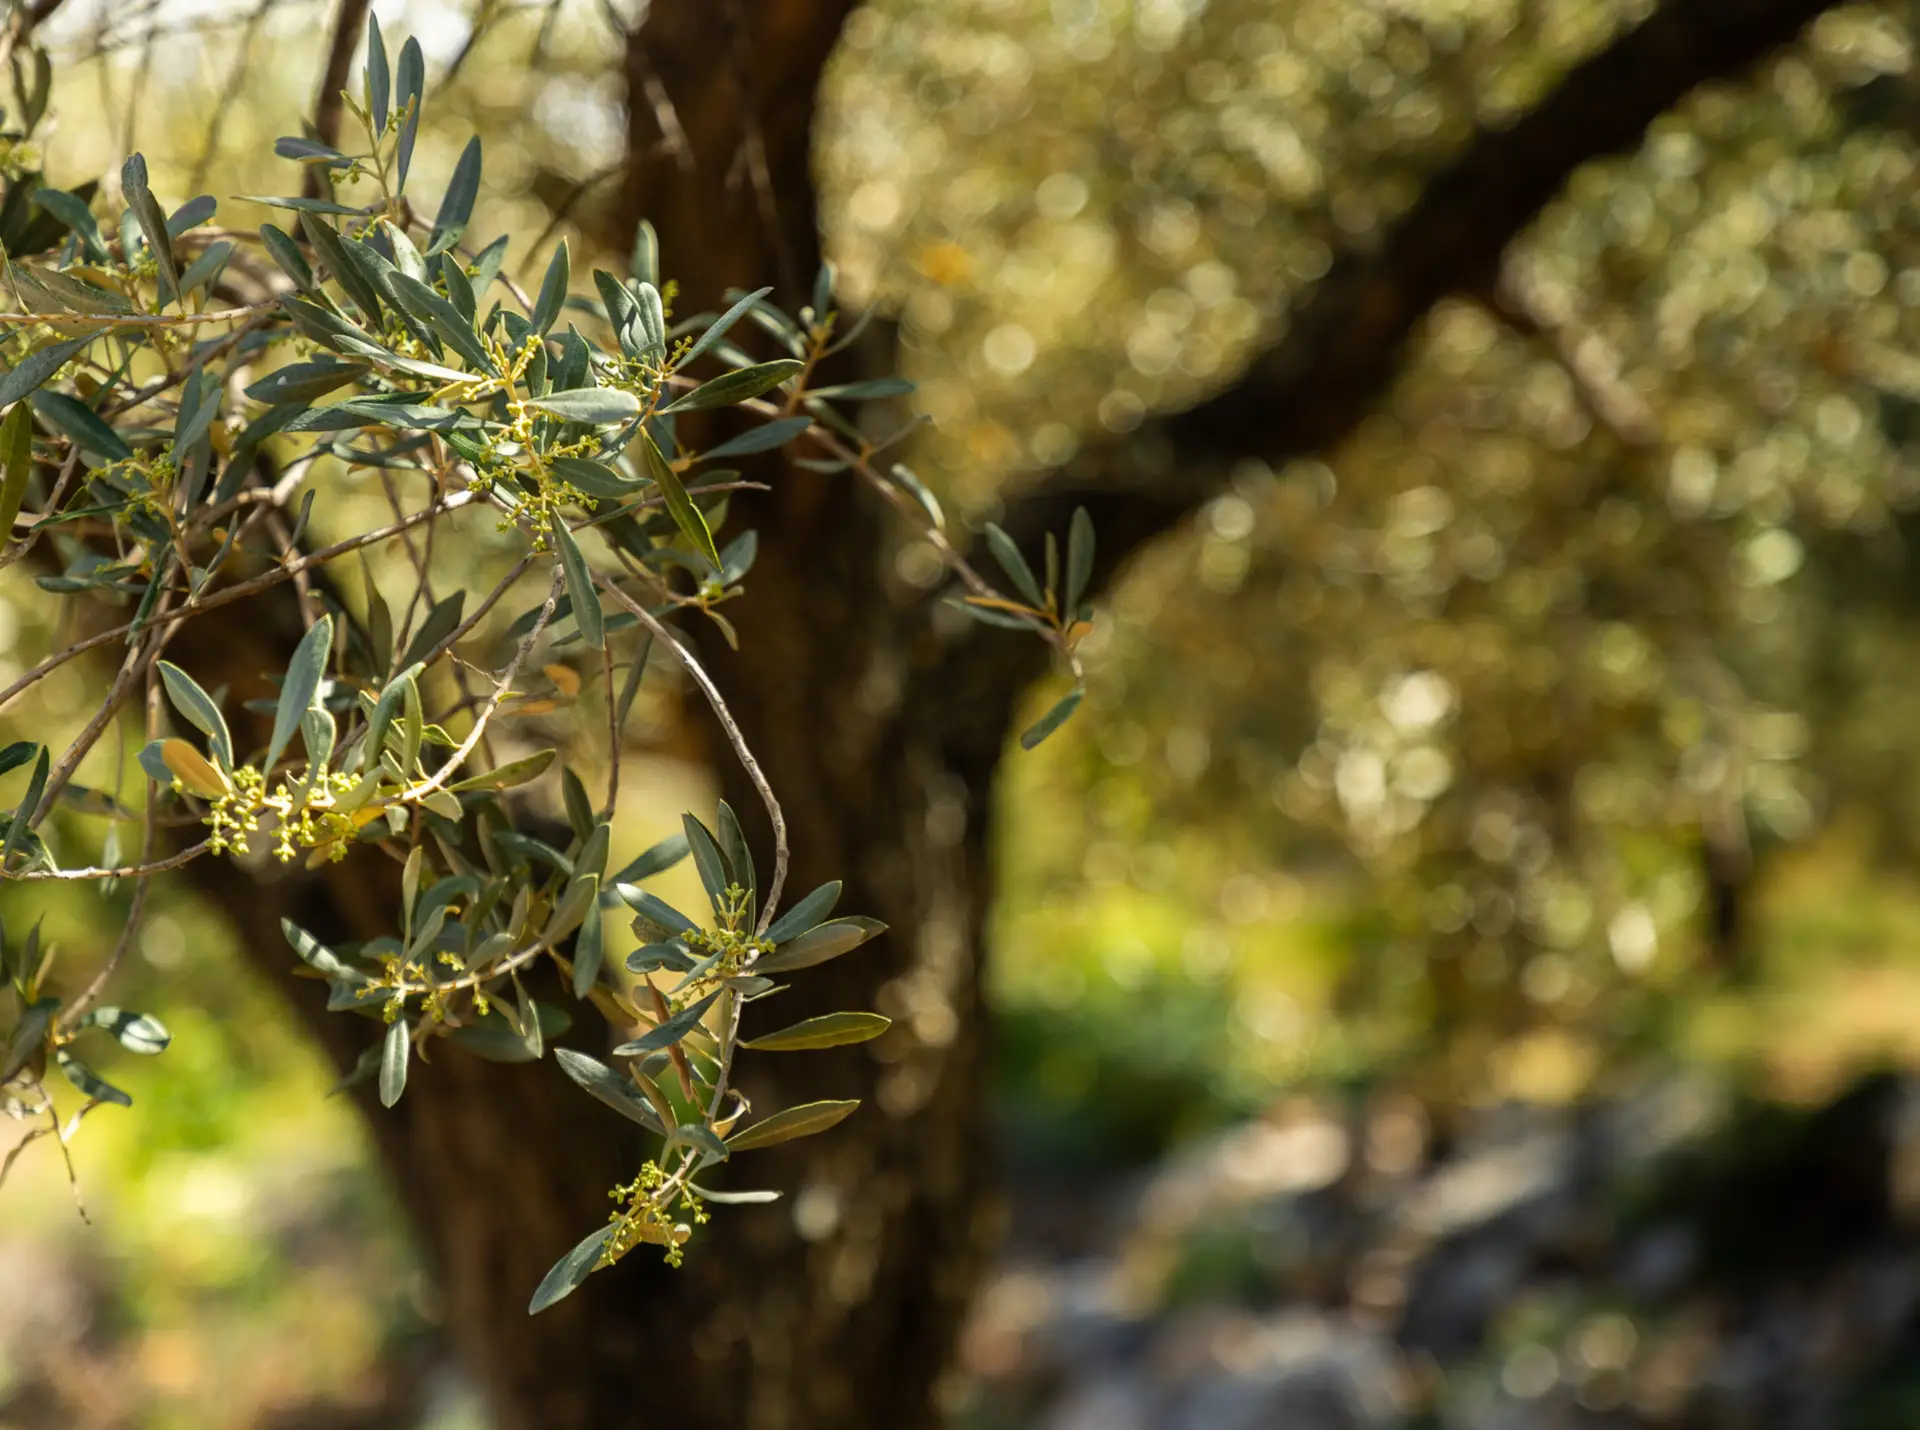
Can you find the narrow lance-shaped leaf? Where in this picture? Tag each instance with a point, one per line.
(698, 1135)
(685, 514)
(317, 956)
(89, 1081)
(586, 600)
(580, 902)
(817, 945)
(16, 453)
(596, 479)
(456, 209)
(717, 329)
(23, 814)
(1053, 719)
(199, 405)
(737, 386)
(645, 263)
(26, 1036)
(333, 252)
(35, 369)
(191, 768)
(1079, 562)
(1015, 565)
(662, 856)
(410, 77)
(570, 1271)
(379, 77)
(308, 151)
(82, 424)
(136, 1032)
(802, 1121)
(606, 1085)
(72, 210)
(736, 1199)
(394, 1053)
(319, 732)
(589, 949)
(623, 313)
(514, 772)
(653, 322)
(153, 223)
(707, 859)
(656, 909)
(595, 405)
(669, 1032)
(553, 290)
(806, 914)
(442, 621)
(446, 320)
(763, 438)
(733, 846)
(830, 1030)
(194, 703)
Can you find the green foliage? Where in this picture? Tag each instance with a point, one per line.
(185, 409)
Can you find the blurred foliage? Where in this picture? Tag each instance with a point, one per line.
(1611, 595)
(1441, 752)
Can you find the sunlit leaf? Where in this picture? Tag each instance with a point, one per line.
(738, 386)
(817, 945)
(830, 1030)
(802, 1121)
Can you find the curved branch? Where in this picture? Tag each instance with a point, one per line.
(717, 702)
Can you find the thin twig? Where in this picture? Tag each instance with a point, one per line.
(125, 871)
(140, 320)
(250, 587)
(735, 738)
(500, 690)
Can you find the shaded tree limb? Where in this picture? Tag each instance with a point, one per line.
(328, 106)
(1343, 343)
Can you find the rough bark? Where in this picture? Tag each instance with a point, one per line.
(836, 1307)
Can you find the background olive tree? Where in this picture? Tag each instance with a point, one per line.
(1501, 590)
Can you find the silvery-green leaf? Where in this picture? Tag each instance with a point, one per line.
(394, 1053)
(607, 1086)
(802, 1121)
(830, 1030)
(806, 914)
(817, 945)
(595, 405)
(666, 1034)
(586, 600)
(570, 1271)
(737, 386)
(198, 707)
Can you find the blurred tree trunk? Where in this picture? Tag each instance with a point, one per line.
(837, 1306)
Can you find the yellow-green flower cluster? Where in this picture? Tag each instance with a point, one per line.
(304, 811)
(642, 1216)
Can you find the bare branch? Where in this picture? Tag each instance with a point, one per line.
(328, 106)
